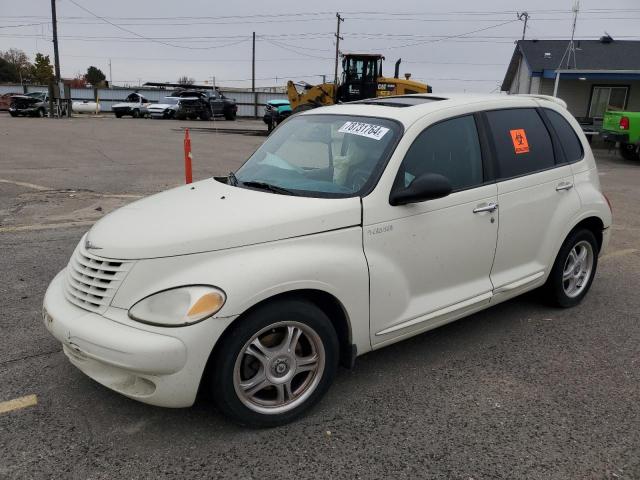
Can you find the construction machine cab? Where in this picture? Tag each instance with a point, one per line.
(360, 73)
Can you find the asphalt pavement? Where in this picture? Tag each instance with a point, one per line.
(520, 390)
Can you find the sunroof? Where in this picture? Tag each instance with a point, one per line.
(407, 101)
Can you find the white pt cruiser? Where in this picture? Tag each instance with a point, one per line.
(352, 227)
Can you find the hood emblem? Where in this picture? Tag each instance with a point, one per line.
(90, 246)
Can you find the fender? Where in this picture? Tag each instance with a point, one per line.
(252, 274)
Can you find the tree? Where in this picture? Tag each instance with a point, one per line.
(184, 80)
(8, 72)
(78, 81)
(42, 70)
(94, 76)
(19, 62)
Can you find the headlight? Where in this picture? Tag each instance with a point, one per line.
(179, 306)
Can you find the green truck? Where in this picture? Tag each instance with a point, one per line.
(623, 128)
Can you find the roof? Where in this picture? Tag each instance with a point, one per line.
(541, 55)
(459, 103)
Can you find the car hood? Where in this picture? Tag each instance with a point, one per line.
(210, 215)
(127, 104)
(161, 106)
(25, 99)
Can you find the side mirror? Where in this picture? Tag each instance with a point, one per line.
(425, 187)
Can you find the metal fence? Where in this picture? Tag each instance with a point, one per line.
(249, 103)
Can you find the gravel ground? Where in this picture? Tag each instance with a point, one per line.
(517, 391)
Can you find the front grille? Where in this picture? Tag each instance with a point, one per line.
(93, 281)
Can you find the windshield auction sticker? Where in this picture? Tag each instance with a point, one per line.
(364, 130)
(519, 139)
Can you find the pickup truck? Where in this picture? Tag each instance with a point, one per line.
(623, 129)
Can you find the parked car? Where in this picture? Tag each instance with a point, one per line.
(205, 104)
(134, 105)
(167, 109)
(5, 100)
(623, 129)
(351, 228)
(276, 111)
(192, 104)
(35, 104)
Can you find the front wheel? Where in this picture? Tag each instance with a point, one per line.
(275, 364)
(230, 115)
(574, 269)
(135, 113)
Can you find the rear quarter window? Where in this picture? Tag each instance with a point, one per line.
(569, 141)
(522, 141)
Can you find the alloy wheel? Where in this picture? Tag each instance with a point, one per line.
(279, 367)
(578, 268)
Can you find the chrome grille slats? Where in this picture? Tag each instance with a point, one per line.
(93, 281)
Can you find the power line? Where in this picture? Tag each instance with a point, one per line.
(149, 39)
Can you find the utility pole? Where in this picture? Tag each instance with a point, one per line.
(56, 57)
(253, 77)
(524, 15)
(110, 75)
(335, 74)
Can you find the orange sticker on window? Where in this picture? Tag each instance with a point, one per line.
(519, 139)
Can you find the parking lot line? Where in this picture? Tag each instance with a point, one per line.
(45, 226)
(18, 403)
(24, 184)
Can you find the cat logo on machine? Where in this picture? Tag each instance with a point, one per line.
(520, 142)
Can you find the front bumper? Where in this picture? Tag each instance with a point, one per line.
(155, 365)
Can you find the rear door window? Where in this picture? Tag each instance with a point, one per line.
(570, 142)
(523, 144)
(450, 148)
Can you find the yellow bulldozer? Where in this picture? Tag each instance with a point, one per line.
(361, 78)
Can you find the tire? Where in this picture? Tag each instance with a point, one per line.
(13, 114)
(180, 116)
(135, 113)
(118, 115)
(228, 115)
(272, 325)
(628, 151)
(205, 115)
(559, 288)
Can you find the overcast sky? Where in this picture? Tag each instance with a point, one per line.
(203, 38)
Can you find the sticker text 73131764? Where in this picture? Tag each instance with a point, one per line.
(364, 130)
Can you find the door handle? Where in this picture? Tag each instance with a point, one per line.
(490, 207)
(564, 186)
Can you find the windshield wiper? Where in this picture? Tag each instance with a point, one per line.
(233, 180)
(268, 186)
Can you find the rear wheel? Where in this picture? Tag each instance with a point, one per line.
(229, 115)
(118, 115)
(574, 269)
(275, 364)
(13, 114)
(135, 113)
(205, 115)
(629, 151)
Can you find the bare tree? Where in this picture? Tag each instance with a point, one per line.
(184, 80)
(19, 60)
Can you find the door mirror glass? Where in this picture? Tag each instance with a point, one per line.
(428, 186)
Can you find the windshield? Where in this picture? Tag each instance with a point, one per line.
(38, 95)
(323, 155)
(171, 100)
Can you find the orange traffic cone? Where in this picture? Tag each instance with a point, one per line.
(187, 157)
